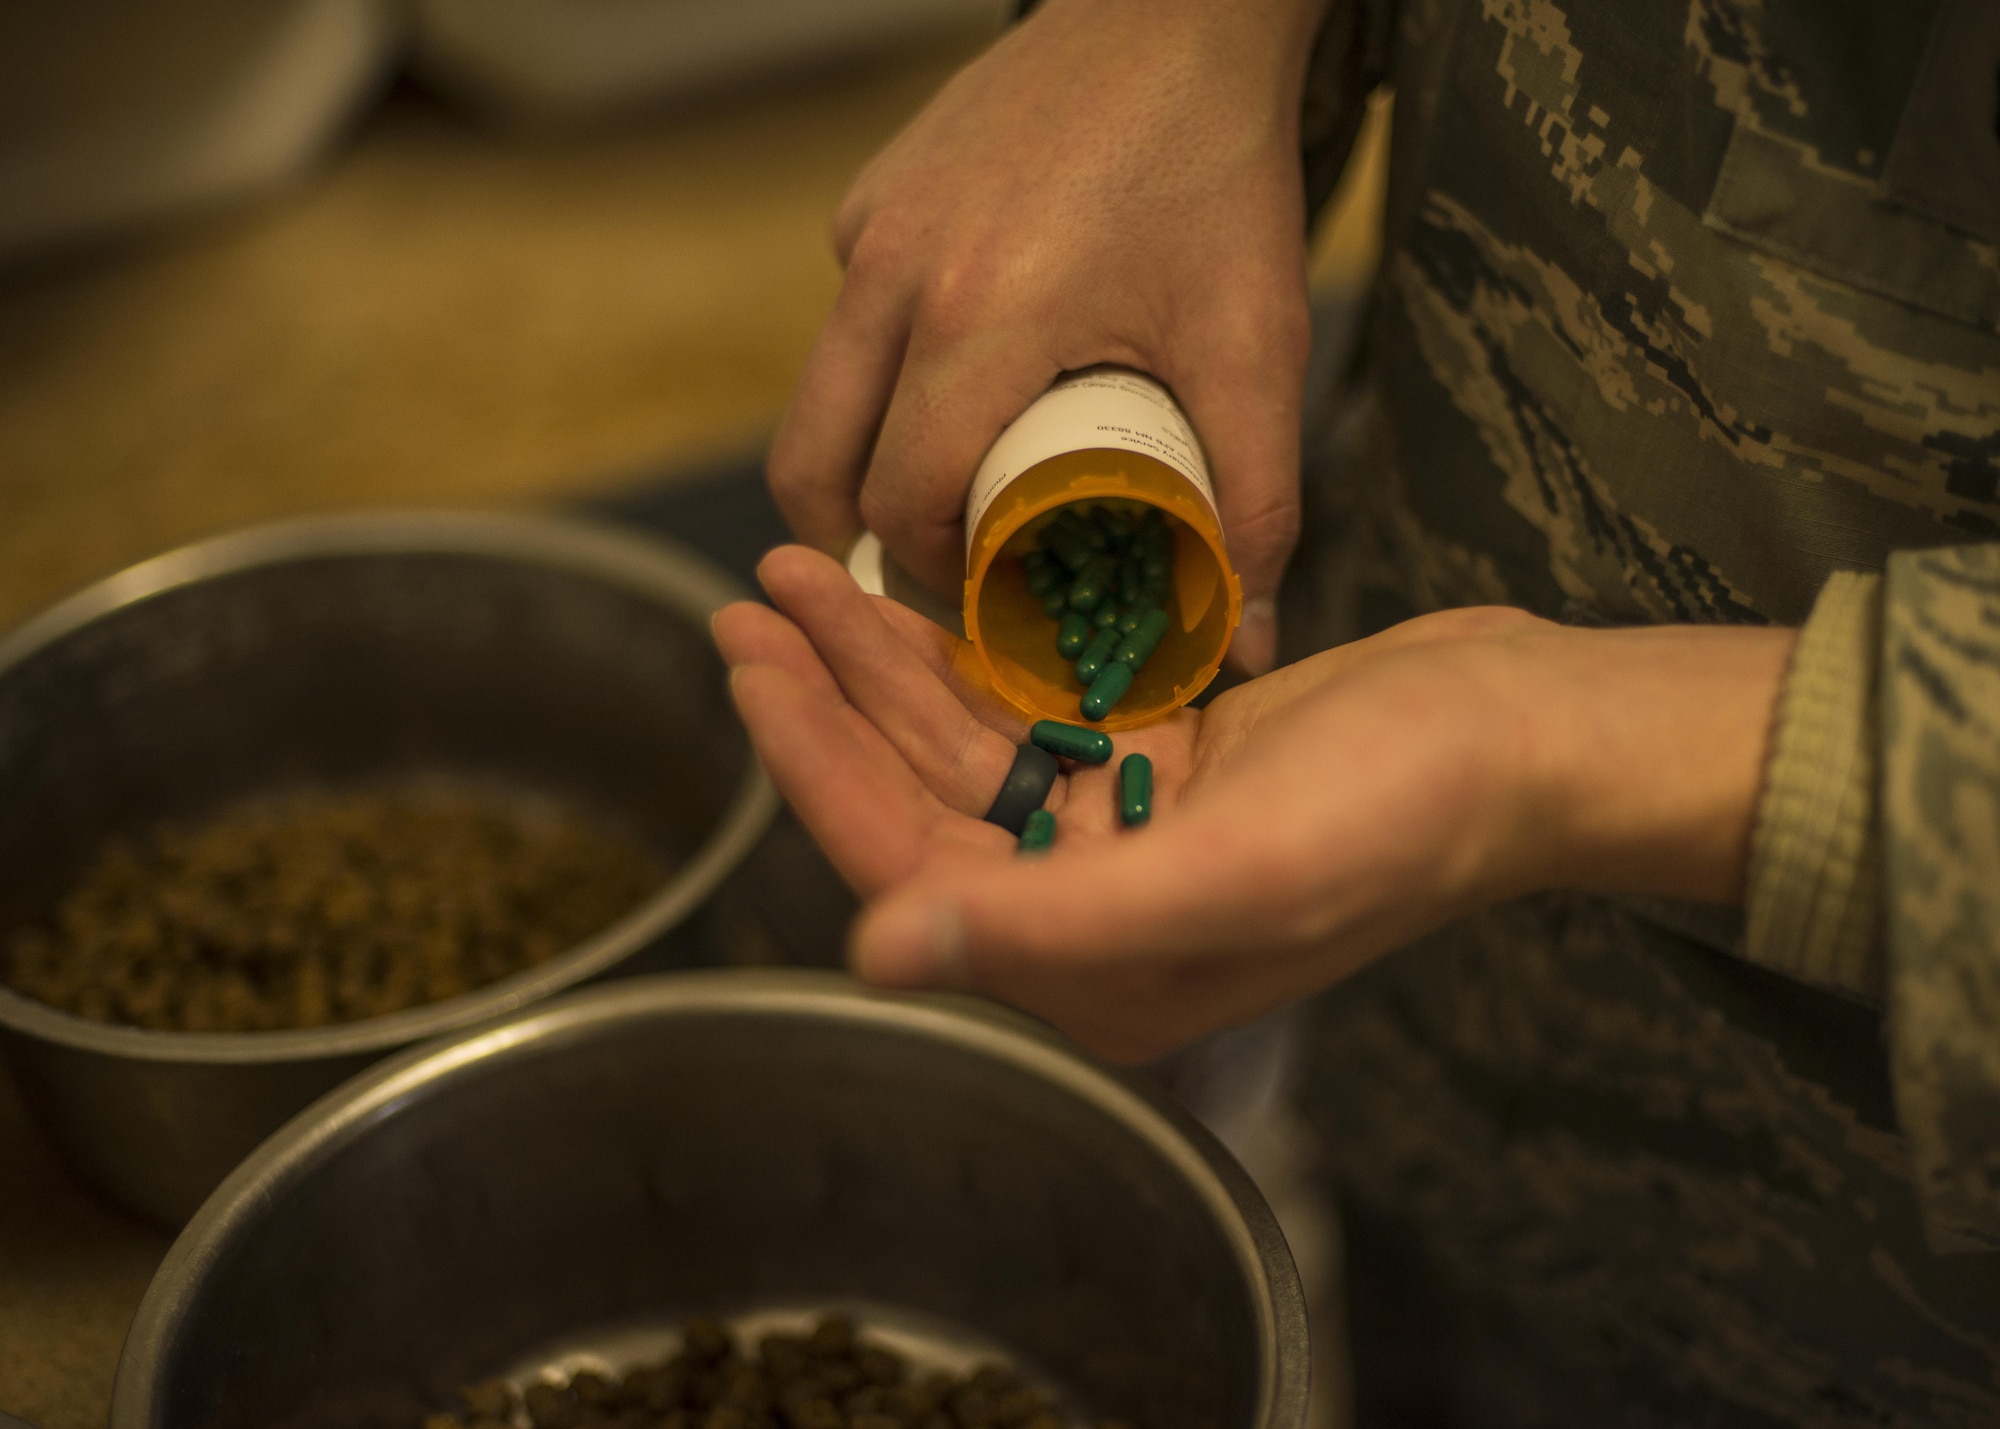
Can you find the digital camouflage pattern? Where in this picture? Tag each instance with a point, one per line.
(1657, 340)
(1941, 822)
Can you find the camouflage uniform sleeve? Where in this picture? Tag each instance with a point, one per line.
(1812, 908)
(1875, 865)
(1940, 822)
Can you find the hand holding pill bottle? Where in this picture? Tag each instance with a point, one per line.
(1057, 527)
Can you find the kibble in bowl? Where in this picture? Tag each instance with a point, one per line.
(550, 1202)
(277, 804)
(322, 906)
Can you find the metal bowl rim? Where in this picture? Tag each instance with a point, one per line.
(686, 583)
(969, 1023)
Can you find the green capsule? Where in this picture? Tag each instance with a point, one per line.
(1038, 833)
(1096, 655)
(1067, 544)
(1085, 746)
(1074, 519)
(1129, 619)
(1092, 584)
(1087, 591)
(1073, 634)
(1055, 603)
(1106, 691)
(1107, 613)
(1047, 577)
(1117, 528)
(1135, 790)
(1138, 647)
(1154, 592)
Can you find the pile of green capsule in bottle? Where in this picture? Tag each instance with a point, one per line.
(1104, 574)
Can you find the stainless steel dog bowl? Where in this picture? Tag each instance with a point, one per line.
(556, 655)
(722, 1141)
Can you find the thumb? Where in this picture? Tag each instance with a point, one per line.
(1133, 945)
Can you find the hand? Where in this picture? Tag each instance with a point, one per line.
(1304, 823)
(1113, 181)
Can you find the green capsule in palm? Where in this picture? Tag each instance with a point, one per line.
(1085, 746)
(1135, 790)
(1037, 833)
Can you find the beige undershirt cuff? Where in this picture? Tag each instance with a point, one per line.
(1814, 903)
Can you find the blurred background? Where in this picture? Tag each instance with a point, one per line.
(261, 257)
(267, 257)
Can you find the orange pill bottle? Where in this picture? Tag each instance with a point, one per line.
(1105, 434)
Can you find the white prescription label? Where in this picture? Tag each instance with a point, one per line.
(1096, 409)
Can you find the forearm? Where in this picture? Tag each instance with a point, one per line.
(1643, 756)
(1264, 44)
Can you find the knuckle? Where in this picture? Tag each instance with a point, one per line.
(1475, 620)
(845, 229)
(960, 298)
(1265, 533)
(786, 466)
(879, 514)
(799, 480)
(904, 518)
(878, 251)
(1271, 336)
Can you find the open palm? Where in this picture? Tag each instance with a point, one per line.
(1303, 823)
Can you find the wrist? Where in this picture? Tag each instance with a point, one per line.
(1263, 43)
(1642, 757)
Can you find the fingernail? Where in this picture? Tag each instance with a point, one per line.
(912, 943)
(1257, 637)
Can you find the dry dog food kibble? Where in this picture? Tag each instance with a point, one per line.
(830, 1379)
(1104, 574)
(328, 906)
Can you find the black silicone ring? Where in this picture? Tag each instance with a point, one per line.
(1028, 783)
